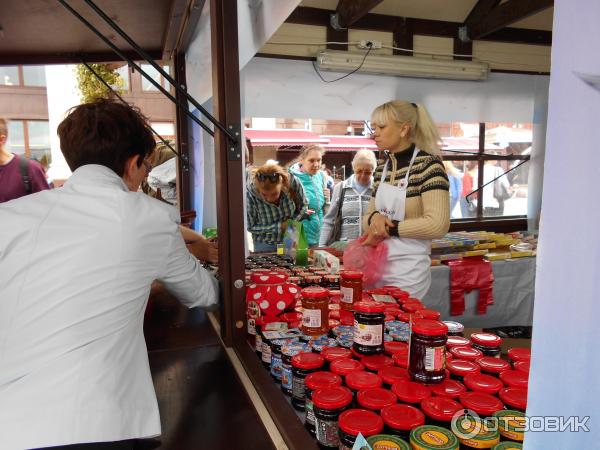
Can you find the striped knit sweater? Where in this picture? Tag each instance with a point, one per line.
(427, 214)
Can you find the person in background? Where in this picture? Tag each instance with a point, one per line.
(468, 206)
(493, 204)
(411, 205)
(455, 180)
(308, 171)
(18, 175)
(77, 266)
(353, 196)
(273, 196)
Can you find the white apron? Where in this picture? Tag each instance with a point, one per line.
(408, 264)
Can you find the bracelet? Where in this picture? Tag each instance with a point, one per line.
(393, 231)
(371, 216)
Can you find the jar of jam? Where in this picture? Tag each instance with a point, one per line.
(334, 353)
(387, 442)
(328, 404)
(429, 314)
(392, 347)
(355, 421)
(258, 337)
(487, 384)
(312, 280)
(303, 364)
(511, 424)
(427, 351)
(368, 328)
(518, 354)
(345, 366)
(454, 328)
(439, 411)
(488, 343)
(466, 353)
(287, 353)
(473, 434)
(331, 282)
(374, 399)
(483, 404)
(411, 392)
(266, 353)
(521, 366)
(492, 366)
(515, 378)
(459, 368)
(412, 307)
(375, 363)
(514, 398)
(401, 358)
(400, 419)
(448, 388)
(391, 375)
(276, 357)
(313, 382)
(357, 381)
(315, 309)
(430, 437)
(351, 286)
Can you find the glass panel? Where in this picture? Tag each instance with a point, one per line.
(463, 178)
(124, 73)
(146, 85)
(459, 138)
(16, 138)
(34, 76)
(9, 75)
(509, 138)
(39, 141)
(507, 196)
(165, 129)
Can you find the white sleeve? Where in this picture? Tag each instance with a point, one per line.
(329, 218)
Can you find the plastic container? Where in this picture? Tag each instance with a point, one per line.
(328, 404)
(344, 366)
(458, 368)
(430, 437)
(487, 384)
(488, 343)
(303, 364)
(387, 442)
(492, 366)
(315, 305)
(466, 353)
(454, 328)
(351, 287)
(448, 388)
(313, 382)
(368, 328)
(411, 392)
(374, 399)
(377, 362)
(483, 404)
(514, 398)
(427, 351)
(511, 424)
(472, 434)
(439, 411)
(355, 421)
(400, 419)
(515, 378)
(391, 375)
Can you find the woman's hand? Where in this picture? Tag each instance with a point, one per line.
(378, 229)
(204, 251)
(327, 194)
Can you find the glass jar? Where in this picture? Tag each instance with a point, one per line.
(375, 363)
(487, 384)
(351, 287)
(427, 351)
(411, 392)
(400, 419)
(465, 353)
(511, 425)
(392, 347)
(439, 411)
(344, 366)
(514, 398)
(430, 437)
(303, 364)
(487, 343)
(515, 378)
(357, 381)
(332, 354)
(312, 280)
(483, 404)
(355, 421)
(315, 310)
(331, 282)
(492, 366)
(313, 382)
(401, 358)
(455, 328)
(458, 368)
(429, 314)
(516, 354)
(374, 399)
(328, 404)
(258, 338)
(474, 434)
(508, 446)
(266, 353)
(368, 328)
(391, 375)
(287, 353)
(448, 388)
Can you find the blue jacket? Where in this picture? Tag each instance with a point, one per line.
(313, 189)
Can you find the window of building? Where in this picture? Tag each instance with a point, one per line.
(16, 137)
(30, 138)
(34, 76)
(9, 75)
(156, 76)
(165, 129)
(123, 71)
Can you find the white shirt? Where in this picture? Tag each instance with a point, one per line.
(76, 265)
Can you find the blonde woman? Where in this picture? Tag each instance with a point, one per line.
(353, 196)
(411, 205)
(273, 196)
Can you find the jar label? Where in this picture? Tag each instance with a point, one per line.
(310, 414)
(286, 377)
(311, 318)
(258, 343)
(347, 295)
(327, 432)
(266, 353)
(298, 389)
(368, 334)
(435, 359)
(251, 327)
(276, 366)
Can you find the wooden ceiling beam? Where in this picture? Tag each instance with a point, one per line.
(14, 59)
(349, 11)
(479, 11)
(506, 14)
(183, 18)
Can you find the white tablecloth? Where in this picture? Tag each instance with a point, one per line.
(514, 283)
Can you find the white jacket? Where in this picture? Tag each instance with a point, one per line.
(76, 266)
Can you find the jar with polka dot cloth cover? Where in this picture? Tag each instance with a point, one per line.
(269, 294)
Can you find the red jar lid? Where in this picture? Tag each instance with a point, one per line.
(460, 367)
(345, 366)
(404, 316)
(492, 365)
(322, 380)
(376, 362)
(457, 341)
(334, 323)
(466, 353)
(391, 347)
(410, 391)
(429, 314)
(332, 398)
(514, 397)
(356, 421)
(351, 275)
(429, 327)
(334, 353)
(307, 360)
(522, 366)
(440, 408)
(515, 378)
(448, 388)
(486, 339)
(402, 417)
(483, 383)
(375, 398)
(449, 356)
(519, 354)
(412, 307)
(369, 307)
(268, 278)
(392, 309)
(391, 375)
(362, 380)
(389, 317)
(315, 292)
(482, 404)
(401, 358)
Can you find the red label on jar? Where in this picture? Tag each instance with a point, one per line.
(434, 359)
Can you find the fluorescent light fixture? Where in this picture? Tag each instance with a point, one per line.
(407, 66)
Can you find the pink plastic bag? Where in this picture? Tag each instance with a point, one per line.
(369, 260)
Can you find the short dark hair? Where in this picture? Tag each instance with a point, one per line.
(105, 132)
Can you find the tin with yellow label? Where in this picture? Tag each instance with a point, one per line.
(511, 424)
(387, 442)
(429, 437)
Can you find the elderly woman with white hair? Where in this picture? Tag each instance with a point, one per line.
(350, 201)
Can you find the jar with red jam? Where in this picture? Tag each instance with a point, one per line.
(328, 404)
(357, 381)
(488, 343)
(454, 328)
(392, 347)
(351, 287)
(376, 362)
(457, 341)
(332, 354)
(439, 411)
(459, 368)
(391, 375)
(331, 282)
(411, 392)
(492, 366)
(315, 311)
(345, 366)
(479, 382)
(303, 364)
(400, 419)
(427, 361)
(515, 378)
(369, 321)
(287, 353)
(514, 398)
(357, 421)
(466, 353)
(519, 354)
(374, 399)
(448, 388)
(313, 382)
(483, 404)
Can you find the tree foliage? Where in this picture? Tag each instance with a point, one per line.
(91, 88)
